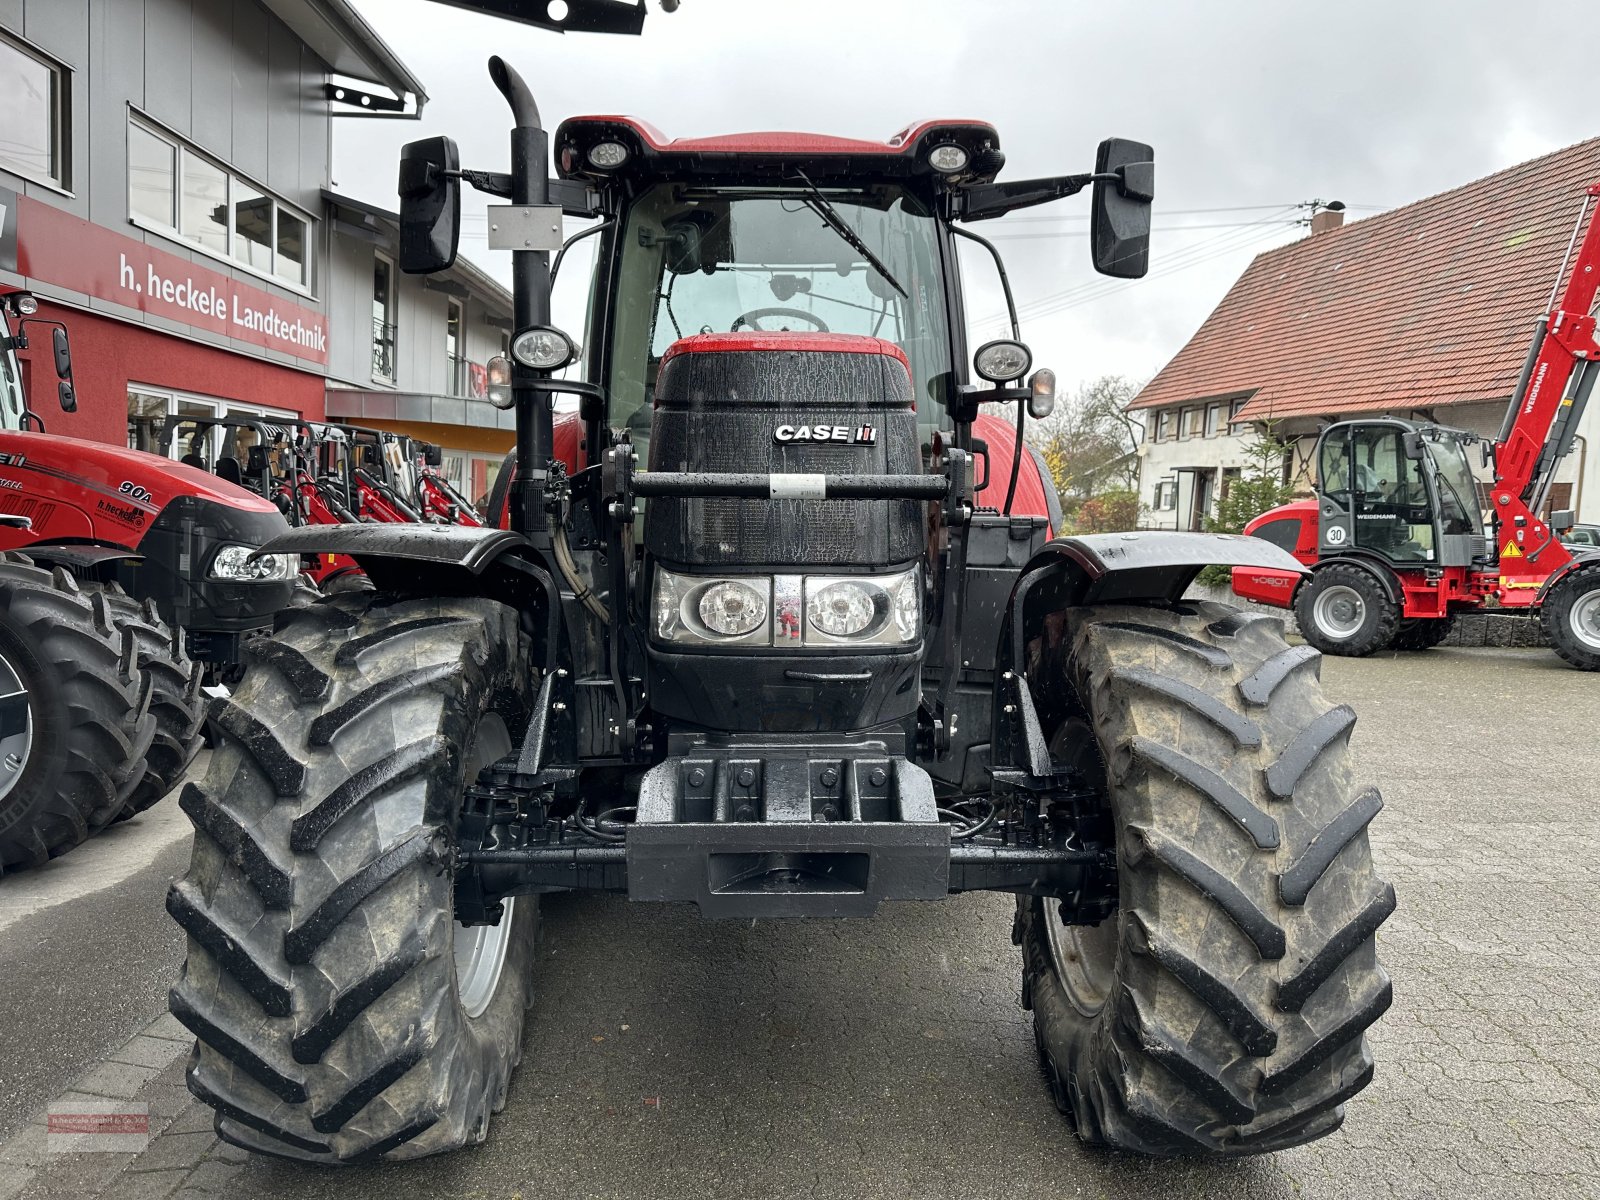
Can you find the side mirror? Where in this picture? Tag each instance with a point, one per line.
(1412, 443)
(63, 353)
(1119, 222)
(1563, 519)
(433, 455)
(430, 205)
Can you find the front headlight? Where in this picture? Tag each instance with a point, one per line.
(722, 611)
(872, 610)
(234, 563)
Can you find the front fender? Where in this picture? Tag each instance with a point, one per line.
(1581, 557)
(444, 560)
(1122, 568)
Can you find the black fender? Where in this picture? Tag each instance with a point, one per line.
(81, 558)
(1581, 557)
(415, 559)
(1148, 567)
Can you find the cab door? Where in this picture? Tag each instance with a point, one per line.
(1335, 496)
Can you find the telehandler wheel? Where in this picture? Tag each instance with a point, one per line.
(1570, 616)
(175, 699)
(341, 1012)
(1422, 633)
(1222, 1008)
(75, 729)
(1344, 610)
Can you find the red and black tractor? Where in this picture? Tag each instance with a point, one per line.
(1396, 538)
(122, 574)
(767, 647)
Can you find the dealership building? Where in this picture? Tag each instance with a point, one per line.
(165, 181)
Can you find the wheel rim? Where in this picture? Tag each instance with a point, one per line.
(480, 950)
(1584, 619)
(1340, 612)
(17, 743)
(1084, 956)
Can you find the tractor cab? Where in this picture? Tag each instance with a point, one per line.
(1401, 490)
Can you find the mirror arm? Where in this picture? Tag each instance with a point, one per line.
(986, 200)
(1005, 281)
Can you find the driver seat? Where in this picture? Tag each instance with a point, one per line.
(228, 468)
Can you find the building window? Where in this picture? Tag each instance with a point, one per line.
(383, 328)
(193, 438)
(1166, 498)
(35, 96)
(456, 366)
(1214, 419)
(1230, 476)
(1194, 422)
(181, 193)
(1235, 409)
(1164, 421)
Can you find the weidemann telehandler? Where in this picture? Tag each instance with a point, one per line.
(778, 665)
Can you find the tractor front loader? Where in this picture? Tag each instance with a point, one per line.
(760, 649)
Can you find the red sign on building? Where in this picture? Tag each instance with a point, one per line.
(56, 247)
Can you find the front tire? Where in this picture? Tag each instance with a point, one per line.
(76, 726)
(339, 1012)
(1222, 1009)
(1344, 610)
(1570, 616)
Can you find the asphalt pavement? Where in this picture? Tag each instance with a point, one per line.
(670, 1058)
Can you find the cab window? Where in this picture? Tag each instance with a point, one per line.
(1389, 499)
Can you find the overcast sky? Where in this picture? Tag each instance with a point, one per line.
(1253, 107)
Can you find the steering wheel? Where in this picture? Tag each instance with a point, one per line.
(755, 314)
(1341, 497)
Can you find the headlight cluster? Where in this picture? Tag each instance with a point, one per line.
(235, 564)
(788, 610)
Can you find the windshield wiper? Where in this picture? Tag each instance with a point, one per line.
(824, 208)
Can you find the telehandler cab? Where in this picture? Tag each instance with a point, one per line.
(762, 650)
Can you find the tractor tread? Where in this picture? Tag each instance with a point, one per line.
(1307, 747)
(270, 991)
(309, 682)
(1259, 687)
(269, 879)
(1204, 651)
(313, 1040)
(1300, 987)
(300, 942)
(307, 831)
(1221, 997)
(1263, 830)
(1295, 884)
(1239, 727)
(351, 652)
(280, 1084)
(328, 726)
(1211, 883)
(285, 771)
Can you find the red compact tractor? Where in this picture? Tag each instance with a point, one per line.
(1396, 539)
(762, 649)
(122, 574)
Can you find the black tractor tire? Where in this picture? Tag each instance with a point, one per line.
(1422, 633)
(1344, 610)
(1570, 617)
(321, 978)
(175, 700)
(89, 728)
(1221, 1009)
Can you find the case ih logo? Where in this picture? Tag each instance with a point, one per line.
(859, 435)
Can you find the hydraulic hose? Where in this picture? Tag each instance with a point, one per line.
(569, 572)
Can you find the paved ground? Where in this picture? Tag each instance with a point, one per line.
(672, 1058)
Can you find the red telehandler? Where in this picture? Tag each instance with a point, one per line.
(120, 573)
(1395, 537)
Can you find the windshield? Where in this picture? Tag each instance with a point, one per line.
(11, 402)
(702, 260)
(1459, 511)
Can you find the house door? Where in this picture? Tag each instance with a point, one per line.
(1205, 483)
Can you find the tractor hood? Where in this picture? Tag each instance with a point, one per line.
(147, 481)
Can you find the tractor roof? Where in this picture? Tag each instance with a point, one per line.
(756, 158)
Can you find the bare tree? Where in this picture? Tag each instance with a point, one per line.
(1089, 442)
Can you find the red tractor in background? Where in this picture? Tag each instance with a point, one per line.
(1396, 538)
(122, 574)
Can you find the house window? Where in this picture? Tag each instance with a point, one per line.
(383, 329)
(1214, 419)
(1230, 476)
(181, 193)
(35, 97)
(1166, 498)
(1194, 422)
(152, 177)
(455, 361)
(1235, 409)
(1164, 425)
